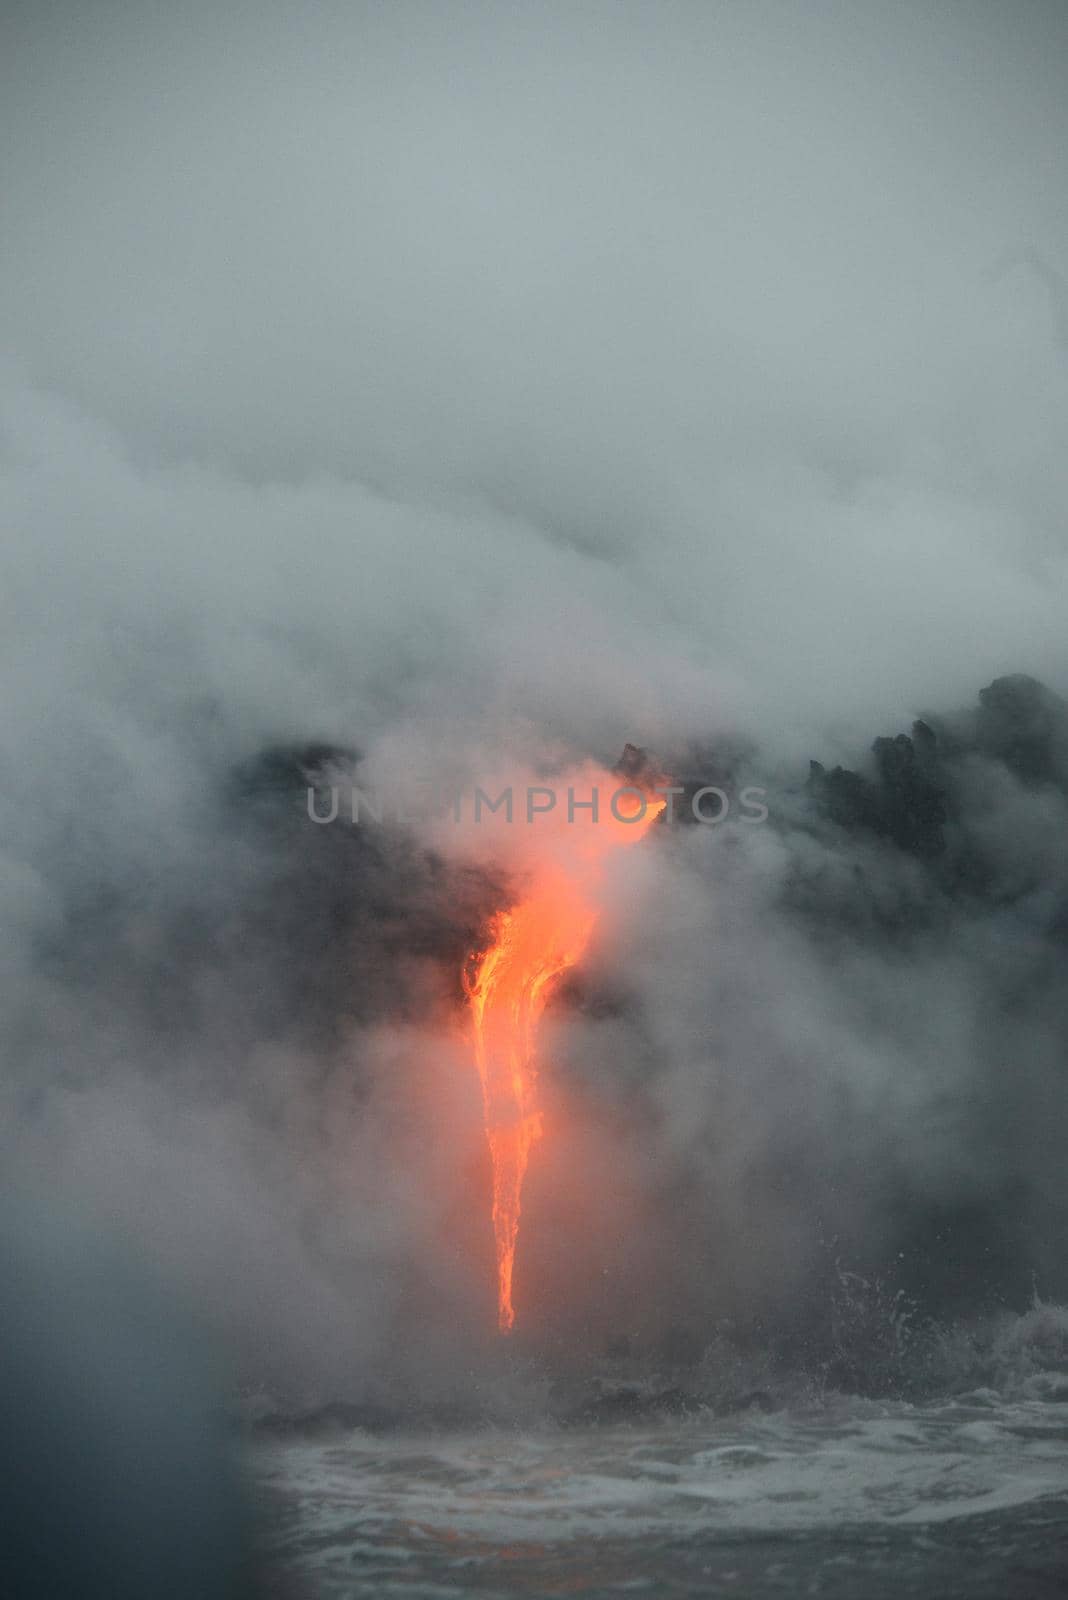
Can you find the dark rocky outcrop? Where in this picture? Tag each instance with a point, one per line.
(1024, 725)
(904, 801)
(910, 793)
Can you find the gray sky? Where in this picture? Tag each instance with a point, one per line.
(712, 354)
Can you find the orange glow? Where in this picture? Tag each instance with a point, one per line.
(533, 943)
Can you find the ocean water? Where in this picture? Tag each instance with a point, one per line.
(834, 1495)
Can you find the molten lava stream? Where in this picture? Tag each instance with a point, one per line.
(533, 943)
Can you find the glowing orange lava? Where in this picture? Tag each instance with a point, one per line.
(533, 943)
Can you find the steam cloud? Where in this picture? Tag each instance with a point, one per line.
(415, 391)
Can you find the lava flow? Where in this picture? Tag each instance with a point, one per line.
(533, 943)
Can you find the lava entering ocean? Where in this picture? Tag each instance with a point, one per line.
(540, 937)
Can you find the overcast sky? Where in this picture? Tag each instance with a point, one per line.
(444, 355)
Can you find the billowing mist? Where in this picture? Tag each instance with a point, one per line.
(403, 393)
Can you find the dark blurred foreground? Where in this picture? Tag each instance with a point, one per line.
(118, 1473)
